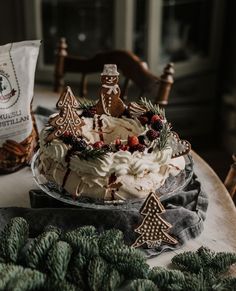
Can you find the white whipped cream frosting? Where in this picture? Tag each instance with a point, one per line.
(112, 128)
(137, 174)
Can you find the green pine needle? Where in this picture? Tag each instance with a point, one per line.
(13, 238)
(85, 103)
(27, 280)
(91, 154)
(142, 285)
(163, 276)
(77, 271)
(164, 135)
(154, 108)
(188, 261)
(85, 260)
(222, 261)
(96, 272)
(112, 237)
(112, 280)
(7, 273)
(58, 259)
(86, 245)
(39, 247)
(54, 285)
(128, 261)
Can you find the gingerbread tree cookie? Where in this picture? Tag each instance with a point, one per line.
(110, 102)
(68, 119)
(153, 229)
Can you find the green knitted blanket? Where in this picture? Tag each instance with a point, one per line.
(82, 259)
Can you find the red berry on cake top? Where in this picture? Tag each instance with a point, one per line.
(133, 140)
(98, 144)
(155, 118)
(123, 147)
(139, 147)
(152, 134)
(143, 119)
(157, 125)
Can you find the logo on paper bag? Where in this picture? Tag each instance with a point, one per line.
(8, 94)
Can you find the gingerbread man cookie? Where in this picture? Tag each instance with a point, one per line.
(110, 102)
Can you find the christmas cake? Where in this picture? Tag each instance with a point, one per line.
(108, 150)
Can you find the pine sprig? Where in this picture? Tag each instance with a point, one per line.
(126, 260)
(86, 244)
(91, 154)
(13, 239)
(58, 259)
(204, 259)
(164, 135)
(142, 285)
(154, 108)
(85, 103)
(162, 276)
(97, 269)
(112, 279)
(39, 247)
(84, 260)
(28, 279)
(13, 277)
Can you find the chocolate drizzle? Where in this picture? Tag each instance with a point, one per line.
(100, 128)
(67, 159)
(66, 177)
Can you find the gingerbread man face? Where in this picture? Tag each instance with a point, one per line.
(109, 80)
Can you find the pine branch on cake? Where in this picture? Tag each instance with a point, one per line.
(91, 154)
(86, 104)
(154, 108)
(163, 138)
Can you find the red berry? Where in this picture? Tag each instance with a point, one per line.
(138, 147)
(157, 125)
(143, 119)
(155, 118)
(152, 134)
(117, 141)
(98, 144)
(123, 147)
(67, 133)
(133, 140)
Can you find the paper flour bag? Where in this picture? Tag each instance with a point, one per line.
(18, 134)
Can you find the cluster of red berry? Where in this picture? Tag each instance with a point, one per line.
(78, 144)
(101, 145)
(133, 144)
(155, 123)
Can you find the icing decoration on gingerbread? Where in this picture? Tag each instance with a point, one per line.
(136, 110)
(110, 102)
(179, 147)
(68, 120)
(153, 229)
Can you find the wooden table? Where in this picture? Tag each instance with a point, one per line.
(219, 228)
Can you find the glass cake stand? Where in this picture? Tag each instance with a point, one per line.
(170, 188)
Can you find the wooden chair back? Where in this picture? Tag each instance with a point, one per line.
(230, 181)
(131, 67)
